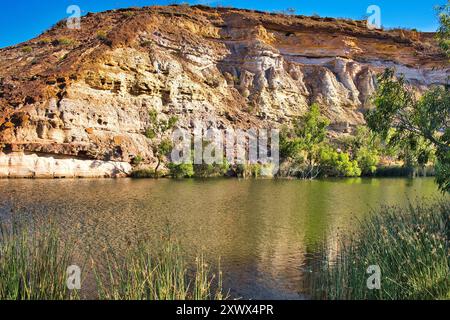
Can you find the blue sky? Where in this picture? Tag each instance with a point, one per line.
(22, 20)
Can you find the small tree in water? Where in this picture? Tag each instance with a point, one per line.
(157, 132)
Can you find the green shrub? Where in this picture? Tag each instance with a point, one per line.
(210, 170)
(45, 41)
(364, 147)
(27, 49)
(128, 13)
(183, 170)
(137, 160)
(367, 160)
(254, 170)
(65, 41)
(338, 164)
(102, 36)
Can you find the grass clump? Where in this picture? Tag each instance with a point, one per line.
(34, 262)
(137, 160)
(103, 37)
(128, 13)
(32, 265)
(27, 49)
(44, 41)
(411, 246)
(144, 275)
(65, 42)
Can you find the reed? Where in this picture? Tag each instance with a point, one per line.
(33, 263)
(411, 246)
(145, 275)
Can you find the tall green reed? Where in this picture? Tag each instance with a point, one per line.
(411, 247)
(33, 263)
(146, 273)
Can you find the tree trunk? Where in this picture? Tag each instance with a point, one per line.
(156, 169)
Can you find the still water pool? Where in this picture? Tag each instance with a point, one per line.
(265, 232)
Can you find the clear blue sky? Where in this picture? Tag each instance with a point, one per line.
(21, 20)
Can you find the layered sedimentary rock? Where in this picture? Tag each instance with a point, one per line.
(85, 94)
(21, 165)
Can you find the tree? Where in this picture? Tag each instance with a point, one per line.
(311, 131)
(400, 114)
(443, 33)
(367, 160)
(365, 147)
(290, 146)
(415, 151)
(157, 131)
(338, 164)
(308, 136)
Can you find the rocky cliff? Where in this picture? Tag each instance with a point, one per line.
(84, 95)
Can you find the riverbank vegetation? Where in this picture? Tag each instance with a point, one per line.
(34, 262)
(405, 136)
(156, 131)
(306, 152)
(410, 246)
(418, 126)
(144, 275)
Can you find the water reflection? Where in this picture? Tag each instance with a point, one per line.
(266, 232)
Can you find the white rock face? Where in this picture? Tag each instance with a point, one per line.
(20, 165)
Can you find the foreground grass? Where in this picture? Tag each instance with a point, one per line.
(32, 264)
(144, 275)
(411, 246)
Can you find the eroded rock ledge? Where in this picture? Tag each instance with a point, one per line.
(32, 165)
